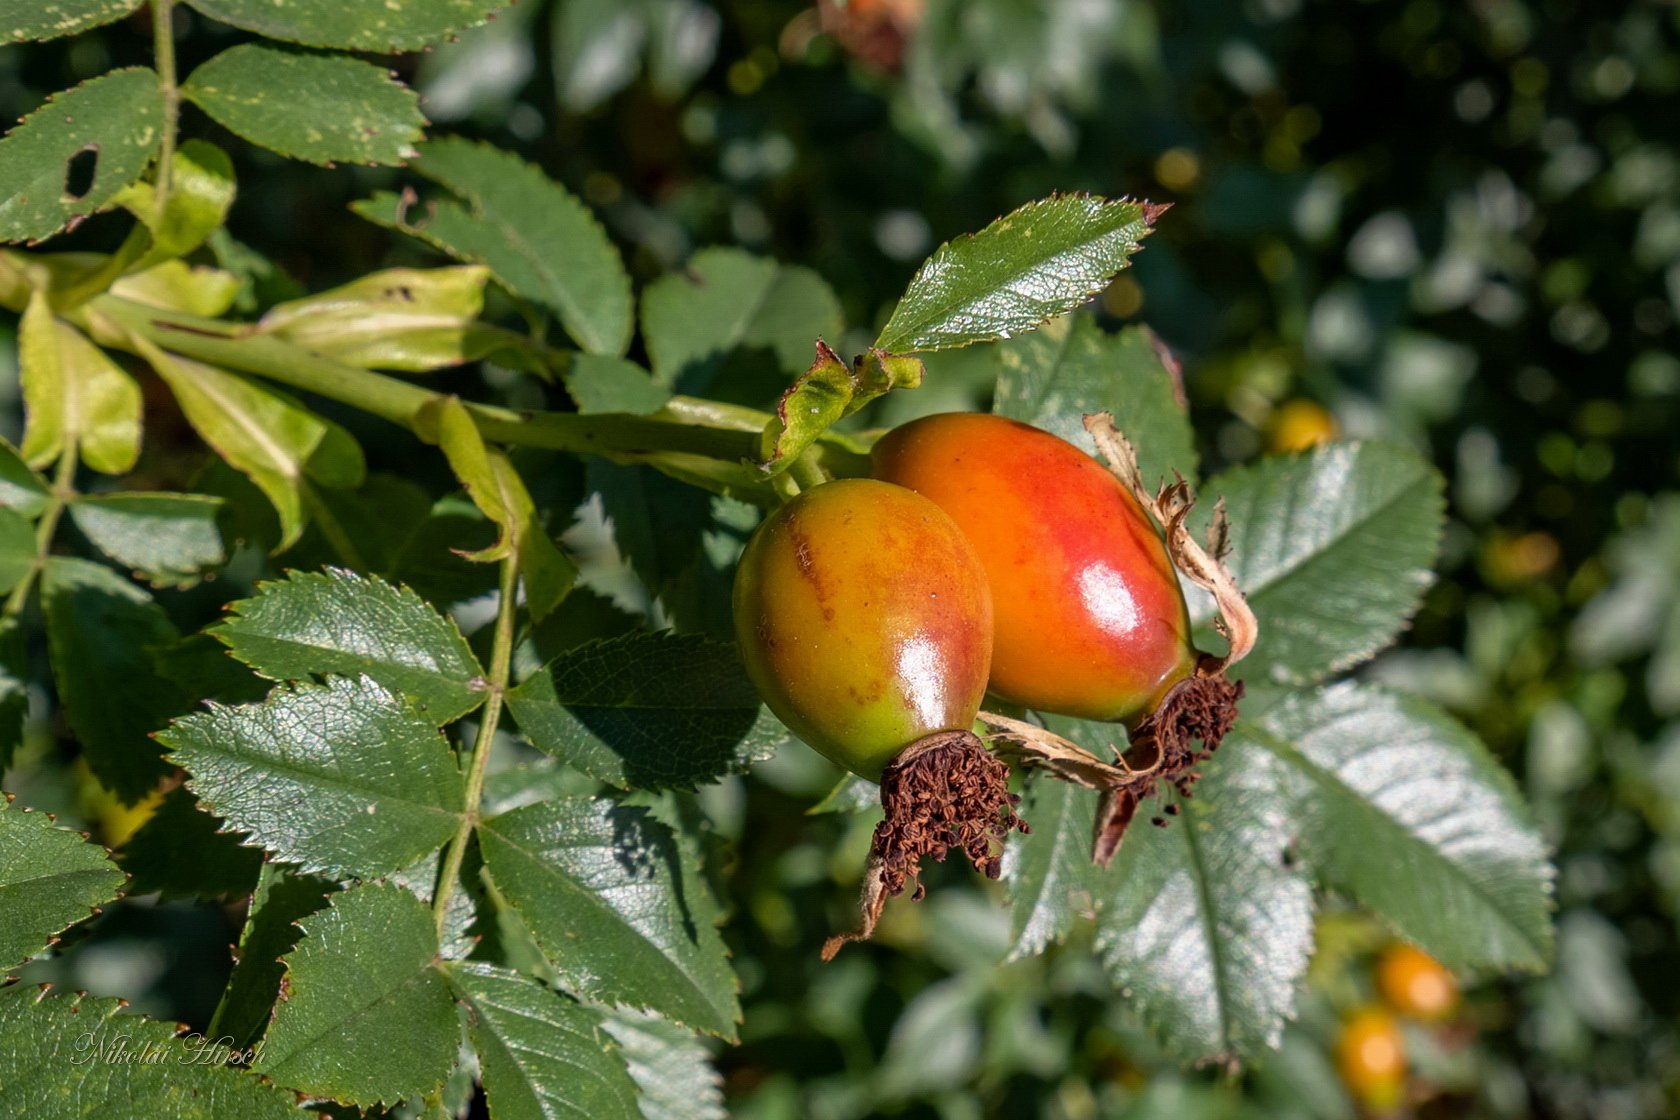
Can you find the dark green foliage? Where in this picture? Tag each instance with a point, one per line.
(1450, 230)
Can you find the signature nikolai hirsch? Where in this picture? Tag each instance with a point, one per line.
(106, 1047)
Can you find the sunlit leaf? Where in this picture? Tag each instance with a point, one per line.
(1029, 266)
(1333, 548)
(1403, 809)
(338, 622)
(345, 777)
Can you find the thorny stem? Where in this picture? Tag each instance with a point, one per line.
(501, 657)
(63, 490)
(163, 50)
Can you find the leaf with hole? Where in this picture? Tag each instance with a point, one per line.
(618, 907)
(1024, 269)
(71, 156)
(366, 1016)
(50, 878)
(320, 108)
(346, 777)
(541, 243)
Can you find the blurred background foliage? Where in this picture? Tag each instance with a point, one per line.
(1456, 223)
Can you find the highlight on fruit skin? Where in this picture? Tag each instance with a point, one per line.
(1083, 564)
(865, 621)
(1090, 619)
(1416, 985)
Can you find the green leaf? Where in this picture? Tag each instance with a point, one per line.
(181, 852)
(80, 1058)
(380, 27)
(727, 301)
(410, 319)
(1333, 548)
(1031, 265)
(812, 404)
(101, 630)
(365, 1015)
(599, 47)
(74, 393)
(496, 488)
(22, 491)
(1402, 808)
(599, 383)
(617, 906)
(671, 1066)
(542, 243)
(648, 711)
(17, 549)
(22, 20)
(201, 191)
(171, 539)
(14, 688)
(281, 898)
(542, 1055)
(319, 108)
(50, 878)
(339, 622)
(1053, 376)
(178, 286)
(851, 794)
(1205, 926)
(1048, 873)
(103, 133)
(346, 777)
(263, 434)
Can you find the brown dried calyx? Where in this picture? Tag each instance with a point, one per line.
(945, 792)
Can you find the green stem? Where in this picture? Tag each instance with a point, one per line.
(619, 436)
(163, 51)
(501, 658)
(63, 491)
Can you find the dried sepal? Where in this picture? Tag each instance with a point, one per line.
(944, 793)
(1170, 506)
